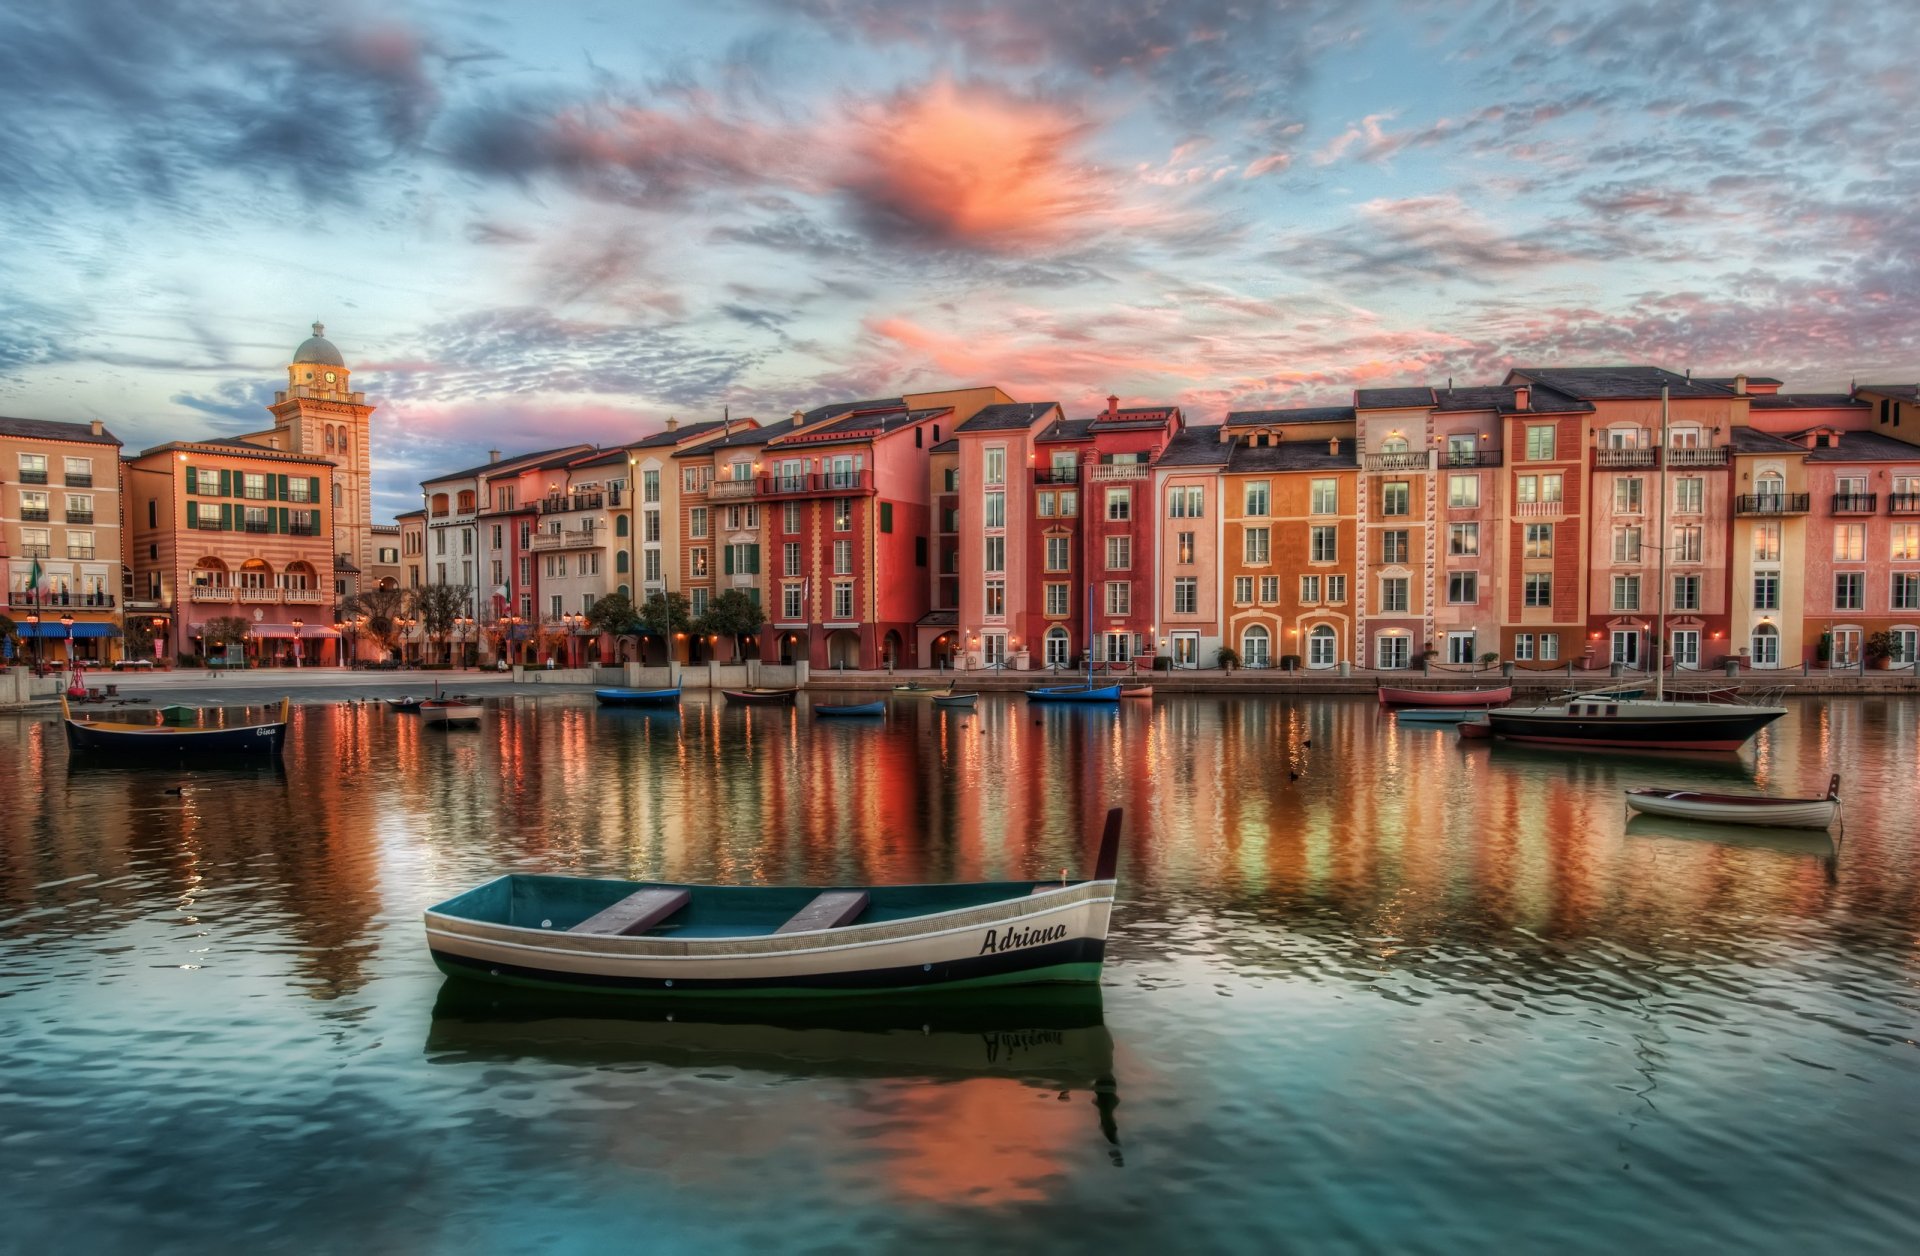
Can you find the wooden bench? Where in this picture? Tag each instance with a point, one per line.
(829, 910)
(636, 913)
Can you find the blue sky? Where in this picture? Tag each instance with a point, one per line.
(527, 222)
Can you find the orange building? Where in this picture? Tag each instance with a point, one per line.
(225, 528)
(60, 535)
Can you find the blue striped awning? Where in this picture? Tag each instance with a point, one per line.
(58, 629)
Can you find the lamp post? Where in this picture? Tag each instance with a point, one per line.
(33, 629)
(572, 622)
(66, 621)
(159, 626)
(298, 624)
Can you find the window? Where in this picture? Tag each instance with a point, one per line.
(1392, 652)
(743, 558)
(790, 558)
(696, 523)
(1183, 548)
(1685, 648)
(790, 518)
(1186, 595)
(996, 510)
(1253, 647)
(1689, 495)
(697, 563)
(995, 604)
(1626, 647)
(1309, 589)
(79, 544)
(791, 608)
(1463, 588)
(1324, 497)
(1523, 647)
(1539, 541)
(1540, 443)
(650, 487)
(1336, 589)
(1766, 590)
(696, 479)
(996, 553)
(1463, 492)
(1460, 647)
(1393, 546)
(1626, 593)
(843, 514)
(1538, 488)
(1687, 544)
(1905, 542)
(1119, 597)
(1686, 593)
(79, 472)
(993, 466)
(1396, 499)
(1766, 542)
(1323, 543)
(1257, 545)
(1057, 601)
(1906, 594)
(843, 600)
(1243, 590)
(1463, 539)
(1393, 595)
(1059, 553)
(555, 607)
(843, 558)
(1259, 497)
(1626, 544)
(1627, 494)
(33, 469)
(1119, 504)
(1849, 590)
(1765, 646)
(1043, 505)
(1119, 553)
(34, 506)
(1186, 502)
(38, 542)
(651, 519)
(1069, 503)
(650, 565)
(1850, 543)
(1059, 650)
(1549, 646)
(1269, 589)
(1323, 647)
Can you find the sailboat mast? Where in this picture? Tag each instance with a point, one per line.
(1660, 543)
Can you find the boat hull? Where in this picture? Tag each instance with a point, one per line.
(766, 697)
(853, 711)
(1773, 813)
(458, 715)
(253, 740)
(1446, 697)
(1105, 693)
(1436, 715)
(956, 699)
(1056, 935)
(636, 697)
(1727, 729)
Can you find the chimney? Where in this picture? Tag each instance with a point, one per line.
(1113, 406)
(273, 442)
(672, 423)
(493, 455)
(97, 427)
(1523, 398)
(1333, 446)
(1740, 385)
(797, 416)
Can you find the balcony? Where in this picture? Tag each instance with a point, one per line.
(75, 480)
(257, 526)
(1539, 510)
(33, 514)
(731, 488)
(847, 482)
(210, 593)
(56, 601)
(1772, 504)
(580, 538)
(1411, 460)
(1119, 471)
(260, 596)
(1056, 475)
(303, 529)
(1855, 503)
(33, 477)
(573, 501)
(1625, 457)
(1903, 503)
(80, 553)
(309, 597)
(1713, 456)
(1474, 457)
(36, 551)
(80, 516)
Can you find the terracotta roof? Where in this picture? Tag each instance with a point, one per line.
(230, 447)
(1728, 381)
(1007, 416)
(1808, 401)
(1909, 391)
(1067, 429)
(818, 413)
(951, 445)
(519, 462)
(50, 429)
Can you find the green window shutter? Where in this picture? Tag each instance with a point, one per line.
(753, 560)
(226, 514)
(227, 486)
(193, 480)
(313, 488)
(753, 594)
(283, 512)
(728, 551)
(886, 516)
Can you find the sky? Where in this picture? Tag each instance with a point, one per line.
(528, 223)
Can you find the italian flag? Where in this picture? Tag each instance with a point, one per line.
(34, 578)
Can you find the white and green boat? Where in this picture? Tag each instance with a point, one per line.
(626, 937)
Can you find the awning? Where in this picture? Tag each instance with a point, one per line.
(59, 630)
(309, 631)
(275, 631)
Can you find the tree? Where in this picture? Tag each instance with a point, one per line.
(665, 614)
(383, 609)
(732, 614)
(139, 637)
(223, 630)
(614, 614)
(438, 605)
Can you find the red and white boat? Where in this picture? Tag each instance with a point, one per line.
(1446, 697)
(1782, 813)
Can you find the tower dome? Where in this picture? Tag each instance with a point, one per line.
(318, 349)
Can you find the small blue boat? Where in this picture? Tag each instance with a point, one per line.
(1435, 715)
(830, 711)
(1075, 693)
(637, 697)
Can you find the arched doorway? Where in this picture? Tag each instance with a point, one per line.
(794, 646)
(843, 649)
(1058, 649)
(1255, 645)
(893, 651)
(1323, 647)
(1765, 646)
(940, 653)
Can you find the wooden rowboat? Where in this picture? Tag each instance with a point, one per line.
(763, 696)
(1446, 697)
(955, 699)
(637, 697)
(1782, 813)
(831, 711)
(406, 704)
(1075, 693)
(174, 741)
(1476, 730)
(1137, 691)
(1436, 715)
(451, 714)
(581, 934)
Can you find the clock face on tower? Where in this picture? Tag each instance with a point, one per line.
(330, 377)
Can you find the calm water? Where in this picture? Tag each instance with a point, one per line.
(1368, 989)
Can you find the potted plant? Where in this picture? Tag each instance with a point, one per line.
(1228, 658)
(1886, 650)
(1489, 658)
(1289, 662)
(1823, 649)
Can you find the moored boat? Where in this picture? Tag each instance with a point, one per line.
(584, 934)
(406, 703)
(1390, 696)
(1075, 693)
(955, 699)
(171, 740)
(1476, 729)
(1758, 809)
(448, 714)
(1436, 715)
(1609, 723)
(912, 686)
(637, 697)
(1137, 691)
(180, 713)
(762, 696)
(835, 710)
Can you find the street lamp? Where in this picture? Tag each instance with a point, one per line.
(159, 626)
(33, 630)
(298, 624)
(66, 621)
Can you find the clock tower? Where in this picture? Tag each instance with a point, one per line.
(319, 413)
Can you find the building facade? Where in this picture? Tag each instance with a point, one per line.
(61, 537)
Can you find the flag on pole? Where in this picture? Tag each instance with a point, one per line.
(34, 579)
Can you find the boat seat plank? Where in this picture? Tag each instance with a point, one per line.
(828, 910)
(636, 913)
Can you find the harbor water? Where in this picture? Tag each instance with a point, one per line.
(1369, 988)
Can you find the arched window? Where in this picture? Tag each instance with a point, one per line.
(1394, 445)
(1059, 647)
(1766, 646)
(620, 525)
(625, 591)
(620, 562)
(329, 436)
(1253, 646)
(1771, 486)
(1323, 647)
